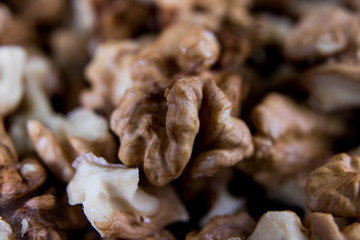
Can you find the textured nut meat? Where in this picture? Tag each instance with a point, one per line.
(158, 134)
(115, 204)
(334, 187)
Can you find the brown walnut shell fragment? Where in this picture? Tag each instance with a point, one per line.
(291, 140)
(114, 203)
(20, 179)
(239, 225)
(322, 32)
(159, 133)
(334, 187)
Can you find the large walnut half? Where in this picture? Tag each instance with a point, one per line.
(239, 225)
(334, 187)
(114, 203)
(194, 120)
(322, 32)
(291, 140)
(12, 66)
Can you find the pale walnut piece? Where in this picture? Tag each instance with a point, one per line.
(12, 66)
(158, 134)
(334, 86)
(333, 187)
(5, 230)
(114, 203)
(239, 225)
(20, 179)
(290, 141)
(279, 225)
(322, 32)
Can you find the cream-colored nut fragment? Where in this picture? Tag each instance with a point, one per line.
(114, 203)
(12, 64)
(334, 187)
(114, 186)
(5, 230)
(279, 225)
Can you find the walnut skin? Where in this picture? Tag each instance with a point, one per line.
(239, 225)
(333, 187)
(159, 133)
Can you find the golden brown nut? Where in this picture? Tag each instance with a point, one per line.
(12, 66)
(158, 134)
(20, 179)
(114, 203)
(322, 226)
(290, 142)
(333, 187)
(279, 225)
(322, 32)
(239, 225)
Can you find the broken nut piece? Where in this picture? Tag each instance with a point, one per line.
(114, 203)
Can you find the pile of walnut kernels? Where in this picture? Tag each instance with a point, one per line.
(192, 119)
